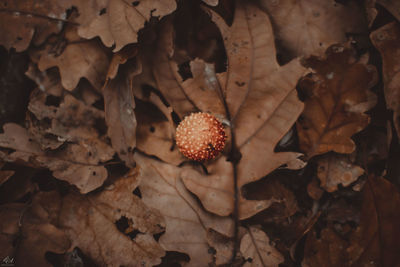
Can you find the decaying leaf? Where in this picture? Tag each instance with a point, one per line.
(257, 250)
(337, 169)
(80, 58)
(28, 232)
(309, 27)
(336, 97)
(263, 104)
(28, 20)
(90, 224)
(327, 250)
(377, 239)
(77, 163)
(387, 40)
(187, 223)
(119, 112)
(117, 22)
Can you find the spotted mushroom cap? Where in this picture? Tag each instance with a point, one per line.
(200, 136)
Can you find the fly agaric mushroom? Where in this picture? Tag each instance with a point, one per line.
(200, 136)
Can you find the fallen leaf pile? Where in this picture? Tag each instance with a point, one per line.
(91, 94)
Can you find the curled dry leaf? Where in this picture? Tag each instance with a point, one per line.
(77, 164)
(377, 239)
(309, 27)
(28, 20)
(117, 22)
(119, 112)
(263, 104)
(186, 221)
(28, 232)
(387, 40)
(257, 250)
(80, 58)
(336, 97)
(89, 221)
(337, 169)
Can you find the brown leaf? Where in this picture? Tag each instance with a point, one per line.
(327, 250)
(223, 246)
(309, 27)
(28, 20)
(89, 221)
(336, 97)
(392, 6)
(377, 239)
(387, 40)
(119, 112)
(28, 232)
(263, 103)
(76, 163)
(255, 245)
(186, 221)
(80, 58)
(118, 22)
(336, 169)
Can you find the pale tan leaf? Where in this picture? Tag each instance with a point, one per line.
(336, 97)
(90, 224)
(387, 40)
(80, 58)
(255, 245)
(262, 99)
(309, 27)
(337, 169)
(117, 22)
(186, 221)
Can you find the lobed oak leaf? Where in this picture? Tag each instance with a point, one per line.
(117, 22)
(257, 250)
(309, 27)
(28, 232)
(376, 240)
(28, 20)
(336, 97)
(263, 104)
(186, 221)
(337, 169)
(387, 39)
(89, 221)
(79, 58)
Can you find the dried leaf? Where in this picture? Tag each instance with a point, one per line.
(257, 250)
(309, 27)
(119, 113)
(77, 163)
(392, 6)
(118, 22)
(337, 169)
(387, 39)
(327, 250)
(223, 246)
(90, 224)
(28, 20)
(377, 239)
(80, 58)
(336, 97)
(186, 221)
(263, 103)
(27, 232)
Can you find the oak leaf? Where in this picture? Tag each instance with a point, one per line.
(117, 22)
(186, 221)
(336, 97)
(387, 39)
(257, 250)
(309, 27)
(337, 169)
(28, 20)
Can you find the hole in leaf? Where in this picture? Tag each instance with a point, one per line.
(184, 70)
(135, 3)
(137, 192)
(103, 11)
(53, 101)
